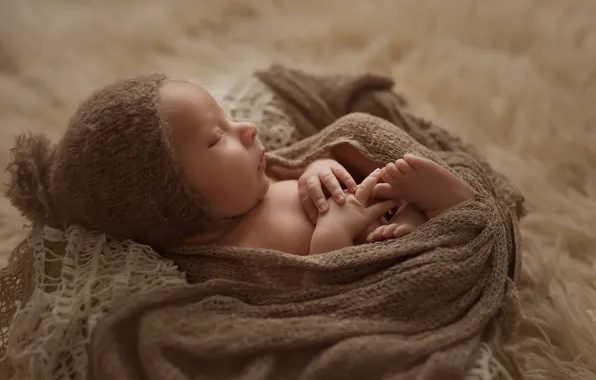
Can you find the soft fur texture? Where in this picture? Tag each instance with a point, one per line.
(513, 77)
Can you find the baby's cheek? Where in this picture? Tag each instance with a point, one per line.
(211, 195)
(207, 193)
(223, 200)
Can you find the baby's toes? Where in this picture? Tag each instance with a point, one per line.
(385, 176)
(376, 235)
(391, 174)
(404, 167)
(388, 230)
(402, 230)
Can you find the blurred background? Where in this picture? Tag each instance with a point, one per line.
(515, 77)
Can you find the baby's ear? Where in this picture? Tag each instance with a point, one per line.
(29, 172)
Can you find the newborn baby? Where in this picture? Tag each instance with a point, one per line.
(226, 165)
(155, 160)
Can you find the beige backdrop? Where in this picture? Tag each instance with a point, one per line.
(515, 77)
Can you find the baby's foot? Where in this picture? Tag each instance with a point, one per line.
(426, 185)
(406, 220)
(389, 231)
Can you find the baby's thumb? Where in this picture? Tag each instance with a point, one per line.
(383, 191)
(28, 177)
(378, 209)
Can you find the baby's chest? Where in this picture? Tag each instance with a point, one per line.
(285, 226)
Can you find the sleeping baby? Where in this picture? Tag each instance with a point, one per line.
(155, 160)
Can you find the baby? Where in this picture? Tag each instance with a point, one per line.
(232, 197)
(236, 182)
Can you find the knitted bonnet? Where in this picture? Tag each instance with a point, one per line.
(113, 171)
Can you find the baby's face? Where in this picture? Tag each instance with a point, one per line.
(221, 158)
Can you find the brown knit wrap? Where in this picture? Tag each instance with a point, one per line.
(113, 171)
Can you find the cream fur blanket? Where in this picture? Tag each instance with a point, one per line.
(512, 77)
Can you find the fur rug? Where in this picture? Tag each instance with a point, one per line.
(512, 77)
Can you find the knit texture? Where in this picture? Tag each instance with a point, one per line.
(433, 305)
(422, 306)
(59, 283)
(113, 171)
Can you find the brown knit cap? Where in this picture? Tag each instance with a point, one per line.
(113, 171)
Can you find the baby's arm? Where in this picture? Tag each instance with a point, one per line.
(327, 238)
(338, 227)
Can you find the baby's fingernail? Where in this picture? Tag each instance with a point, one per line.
(322, 206)
(340, 197)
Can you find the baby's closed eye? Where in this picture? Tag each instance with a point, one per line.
(217, 138)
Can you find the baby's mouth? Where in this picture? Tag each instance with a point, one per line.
(262, 163)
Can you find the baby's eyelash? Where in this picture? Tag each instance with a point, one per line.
(220, 135)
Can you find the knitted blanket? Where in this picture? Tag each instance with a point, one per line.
(80, 305)
(419, 307)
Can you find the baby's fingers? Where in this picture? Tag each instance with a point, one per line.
(315, 193)
(344, 176)
(366, 187)
(332, 184)
(308, 205)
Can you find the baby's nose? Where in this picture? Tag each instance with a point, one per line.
(248, 131)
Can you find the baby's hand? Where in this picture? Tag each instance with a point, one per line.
(327, 173)
(356, 213)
